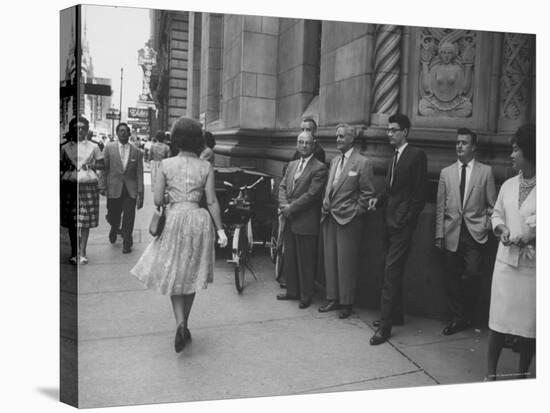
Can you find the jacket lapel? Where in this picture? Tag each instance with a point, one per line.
(332, 172)
(290, 177)
(455, 185)
(345, 171)
(305, 172)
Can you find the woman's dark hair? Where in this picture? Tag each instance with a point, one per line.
(186, 135)
(209, 139)
(160, 136)
(526, 140)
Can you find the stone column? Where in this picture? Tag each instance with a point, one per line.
(194, 61)
(211, 66)
(387, 52)
(518, 56)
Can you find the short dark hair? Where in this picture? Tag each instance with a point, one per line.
(209, 139)
(160, 136)
(123, 124)
(186, 135)
(471, 134)
(526, 140)
(312, 121)
(402, 120)
(74, 121)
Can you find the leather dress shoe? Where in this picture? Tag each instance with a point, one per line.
(379, 337)
(453, 328)
(186, 334)
(330, 306)
(112, 236)
(346, 312)
(304, 304)
(285, 296)
(395, 322)
(126, 250)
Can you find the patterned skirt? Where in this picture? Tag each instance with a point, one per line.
(182, 257)
(88, 205)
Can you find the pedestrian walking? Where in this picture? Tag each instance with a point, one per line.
(181, 259)
(159, 150)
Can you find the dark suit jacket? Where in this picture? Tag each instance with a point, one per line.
(114, 175)
(304, 196)
(405, 199)
(349, 196)
(479, 201)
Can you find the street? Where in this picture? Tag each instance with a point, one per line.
(244, 345)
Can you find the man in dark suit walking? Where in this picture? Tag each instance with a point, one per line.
(123, 185)
(466, 195)
(349, 189)
(403, 198)
(300, 196)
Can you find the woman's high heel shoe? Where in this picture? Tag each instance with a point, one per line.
(179, 340)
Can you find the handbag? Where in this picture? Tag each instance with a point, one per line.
(157, 222)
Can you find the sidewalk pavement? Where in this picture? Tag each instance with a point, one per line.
(244, 345)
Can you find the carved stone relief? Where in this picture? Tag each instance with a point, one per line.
(447, 60)
(516, 73)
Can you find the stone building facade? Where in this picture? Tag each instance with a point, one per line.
(251, 79)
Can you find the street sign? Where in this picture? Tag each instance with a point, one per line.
(138, 122)
(114, 116)
(140, 113)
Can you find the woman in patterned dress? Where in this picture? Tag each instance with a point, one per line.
(513, 292)
(181, 258)
(79, 188)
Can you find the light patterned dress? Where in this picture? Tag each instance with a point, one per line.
(182, 257)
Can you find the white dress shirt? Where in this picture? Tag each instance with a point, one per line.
(341, 164)
(124, 151)
(469, 168)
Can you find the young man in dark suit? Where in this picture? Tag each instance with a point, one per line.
(123, 185)
(300, 196)
(403, 198)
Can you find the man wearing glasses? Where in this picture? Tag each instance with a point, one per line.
(403, 198)
(300, 196)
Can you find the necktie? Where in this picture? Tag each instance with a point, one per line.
(393, 165)
(339, 168)
(300, 169)
(462, 183)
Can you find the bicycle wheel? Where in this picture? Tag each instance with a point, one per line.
(240, 255)
(279, 257)
(273, 242)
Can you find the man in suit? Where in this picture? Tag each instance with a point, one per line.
(349, 189)
(403, 198)
(300, 197)
(466, 196)
(123, 185)
(309, 125)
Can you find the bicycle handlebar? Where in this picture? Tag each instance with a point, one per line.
(247, 187)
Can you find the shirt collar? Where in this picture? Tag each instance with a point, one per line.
(468, 165)
(347, 154)
(402, 148)
(306, 160)
(123, 144)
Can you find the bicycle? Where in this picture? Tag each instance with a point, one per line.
(239, 215)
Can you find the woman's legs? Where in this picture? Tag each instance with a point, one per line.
(83, 242)
(73, 237)
(527, 350)
(178, 307)
(496, 342)
(187, 304)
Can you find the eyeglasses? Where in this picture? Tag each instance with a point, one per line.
(391, 131)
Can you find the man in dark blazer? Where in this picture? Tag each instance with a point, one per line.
(300, 196)
(403, 197)
(123, 185)
(466, 196)
(349, 189)
(309, 125)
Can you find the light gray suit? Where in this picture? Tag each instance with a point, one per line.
(344, 205)
(464, 228)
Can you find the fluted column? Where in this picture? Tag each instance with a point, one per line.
(385, 90)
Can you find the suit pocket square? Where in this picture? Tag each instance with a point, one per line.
(352, 173)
